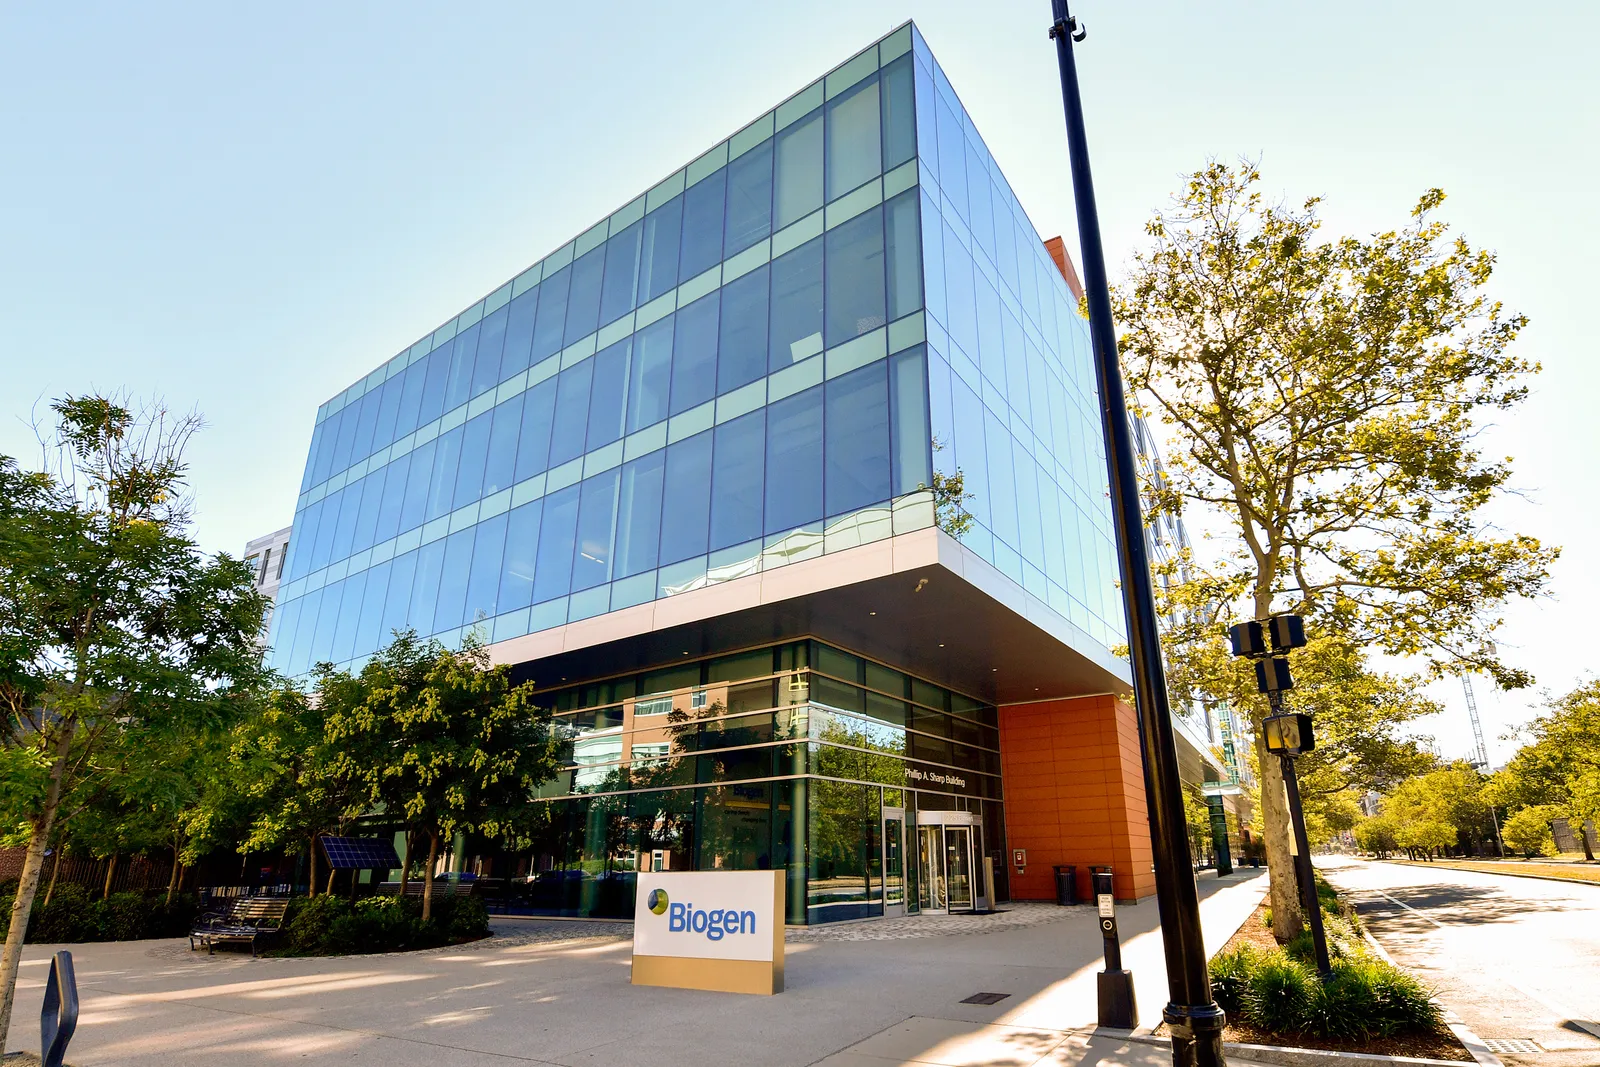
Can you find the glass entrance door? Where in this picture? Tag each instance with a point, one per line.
(930, 868)
(958, 867)
(894, 863)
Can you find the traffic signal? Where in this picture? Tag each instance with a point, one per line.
(1272, 675)
(1289, 735)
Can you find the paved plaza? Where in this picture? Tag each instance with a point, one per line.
(554, 992)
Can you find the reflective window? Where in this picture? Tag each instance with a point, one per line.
(425, 587)
(899, 119)
(857, 445)
(491, 341)
(522, 543)
(620, 293)
(501, 468)
(702, 225)
(421, 473)
(639, 514)
(552, 314)
(798, 178)
(453, 580)
(552, 573)
(483, 580)
(518, 347)
(908, 396)
(686, 514)
(572, 412)
(533, 442)
(855, 286)
(658, 256)
(474, 455)
(736, 469)
(463, 351)
(749, 199)
(694, 354)
(442, 484)
(794, 461)
(650, 378)
(597, 506)
(742, 350)
(395, 484)
(796, 305)
(433, 386)
(607, 394)
(583, 303)
(903, 249)
(854, 149)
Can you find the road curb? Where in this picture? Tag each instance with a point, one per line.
(1464, 1034)
(1508, 874)
(1286, 1056)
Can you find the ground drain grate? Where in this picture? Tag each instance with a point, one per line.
(1512, 1046)
(985, 998)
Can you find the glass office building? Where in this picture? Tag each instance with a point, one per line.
(685, 462)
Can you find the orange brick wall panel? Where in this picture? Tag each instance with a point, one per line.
(1074, 793)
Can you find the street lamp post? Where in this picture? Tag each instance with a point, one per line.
(1191, 1015)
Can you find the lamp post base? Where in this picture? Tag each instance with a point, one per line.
(1196, 1034)
(1118, 1009)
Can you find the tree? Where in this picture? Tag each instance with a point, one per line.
(1323, 400)
(1376, 834)
(114, 627)
(442, 742)
(1528, 831)
(1559, 767)
(1439, 809)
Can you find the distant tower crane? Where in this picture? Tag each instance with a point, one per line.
(1481, 755)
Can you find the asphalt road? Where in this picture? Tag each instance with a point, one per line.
(1517, 958)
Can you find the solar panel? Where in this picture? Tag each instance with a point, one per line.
(360, 853)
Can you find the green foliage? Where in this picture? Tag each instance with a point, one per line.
(1376, 834)
(1366, 997)
(331, 925)
(950, 497)
(75, 915)
(1528, 831)
(1433, 812)
(1559, 767)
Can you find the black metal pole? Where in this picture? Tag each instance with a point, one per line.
(1308, 882)
(1191, 1015)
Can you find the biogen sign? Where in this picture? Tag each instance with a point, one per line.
(718, 930)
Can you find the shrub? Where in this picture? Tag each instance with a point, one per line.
(1364, 998)
(328, 925)
(1230, 974)
(1277, 994)
(74, 915)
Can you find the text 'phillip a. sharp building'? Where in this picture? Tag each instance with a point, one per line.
(679, 472)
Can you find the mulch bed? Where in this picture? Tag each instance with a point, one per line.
(1440, 1046)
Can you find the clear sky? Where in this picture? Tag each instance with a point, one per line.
(243, 209)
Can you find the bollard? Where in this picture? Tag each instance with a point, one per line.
(59, 1016)
(1117, 1007)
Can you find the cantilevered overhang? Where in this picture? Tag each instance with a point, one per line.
(919, 601)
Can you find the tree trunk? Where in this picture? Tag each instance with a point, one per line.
(1287, 919)
(311, 878)
(55, 869)
(28, 882)
(329, 887)
(405, 865)
(172, 880)
(1583, 839)
(427, 877)
(111, 870)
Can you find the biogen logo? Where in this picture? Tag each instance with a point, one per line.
(714, 923)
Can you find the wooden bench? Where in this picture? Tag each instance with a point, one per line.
(250, 919)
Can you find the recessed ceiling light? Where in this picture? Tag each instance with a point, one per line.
(994, 668)
(941, 644)
(872, 613)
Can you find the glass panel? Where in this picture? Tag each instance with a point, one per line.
(572, 412)
(908, 395)
(702, 225)
(502, 464)
(658, 258)
(483, 582)
(552, 574)
(650, 378)
(416, 502)
(958, 866)
(369, 633)
(410, 398)
(854, 151)
(458, 387)
(447, 613)
(425, 588)
(367, 516)
(846, 858)
(930, 868)
(894, 875)
(533, 442)
(749, 199)
(344, 637)
(396, 605)
(855, 286)
(547, 329)
(857, 445)
(607, 394)
(736, 479)
(516, 573)
(591, 564)
(366, 423)
(394, 497)
(438, 371)
(639, 514)
(794, 461)
(796, 305)
(742, 351)
(442, 485)
(388, 411)
(904, 248)
(583, 305)
(694, 354)
(474, 454)
(345, 526)
(519, 333)
(798, 179)
(685, 519)
(619, 295)
(899, 122)
(491, 339)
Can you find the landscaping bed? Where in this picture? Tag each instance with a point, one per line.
(336, 926)
(1272, 995)
(1572, 871)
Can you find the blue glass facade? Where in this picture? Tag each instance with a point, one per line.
(760, 360)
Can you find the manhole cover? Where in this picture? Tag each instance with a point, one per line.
(1513, 1045)
(985, 998)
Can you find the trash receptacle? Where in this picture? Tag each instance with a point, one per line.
(1067, 884)
(1094, 870)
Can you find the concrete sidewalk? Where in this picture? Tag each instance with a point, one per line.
(569, 1002)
